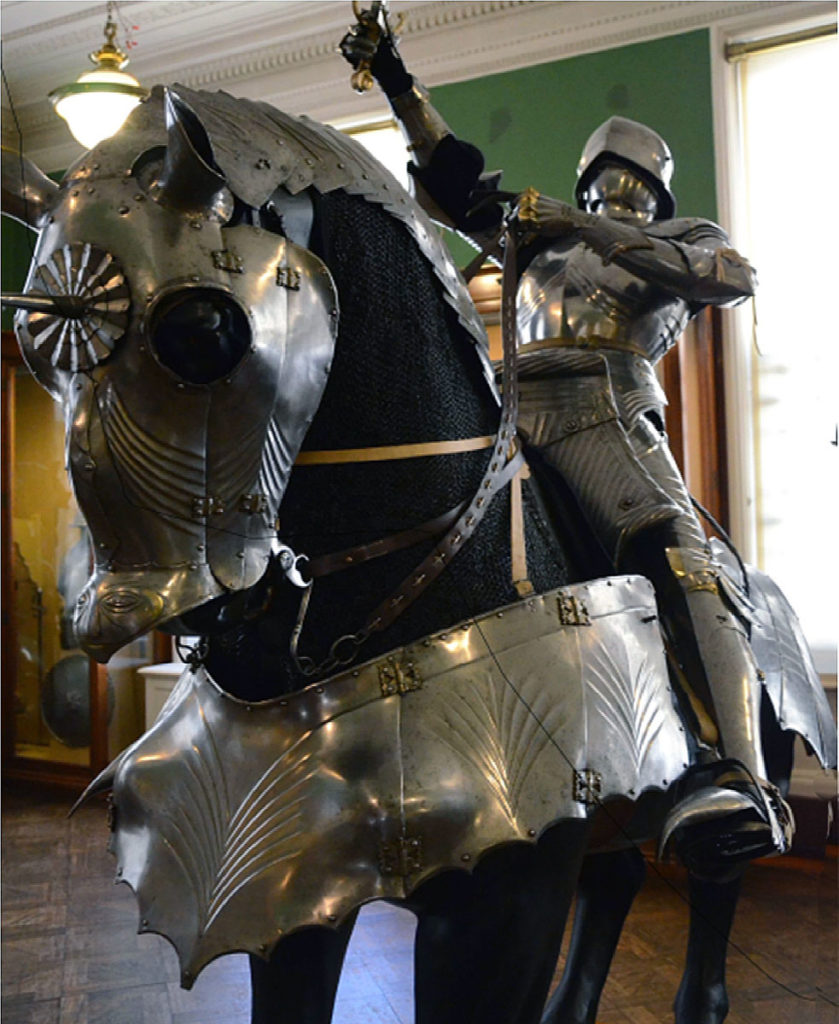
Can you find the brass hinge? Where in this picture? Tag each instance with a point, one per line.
(224, 259)
(572, 611)
(397, 677)
(288, 277)
(587, 786)
(203, 507)
(402, 857)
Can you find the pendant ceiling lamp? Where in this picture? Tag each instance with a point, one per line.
(96, 105)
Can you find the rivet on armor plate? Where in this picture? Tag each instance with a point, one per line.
(253, 504)
(288, 277)
(224, 259)
(572, 612)
(402, 857)
(587, 786)
(397, 678)
(203, 507)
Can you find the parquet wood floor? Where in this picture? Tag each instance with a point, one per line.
(71, 955)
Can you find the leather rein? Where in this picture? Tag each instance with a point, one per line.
(460, 522)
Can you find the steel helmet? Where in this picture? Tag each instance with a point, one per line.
(631, 145)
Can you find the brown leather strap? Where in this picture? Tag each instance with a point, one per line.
(323, 565)
(518, 547)
(386, 452)
(510, 388)
(500, 473)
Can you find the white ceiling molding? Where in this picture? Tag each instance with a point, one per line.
(283, 51)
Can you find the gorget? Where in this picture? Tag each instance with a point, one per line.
(237, 823)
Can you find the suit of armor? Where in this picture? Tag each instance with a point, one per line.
(605, 290)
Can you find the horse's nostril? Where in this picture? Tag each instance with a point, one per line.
(200, 335)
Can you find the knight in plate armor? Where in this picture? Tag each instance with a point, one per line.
(605, 289)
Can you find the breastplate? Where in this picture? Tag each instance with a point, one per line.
(568, 293)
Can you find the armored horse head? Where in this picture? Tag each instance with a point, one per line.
(190, 348)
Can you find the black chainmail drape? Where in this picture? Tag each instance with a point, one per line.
(403, 372)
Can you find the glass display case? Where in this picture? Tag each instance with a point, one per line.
(64, 716)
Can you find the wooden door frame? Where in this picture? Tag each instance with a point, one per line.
(694, 382)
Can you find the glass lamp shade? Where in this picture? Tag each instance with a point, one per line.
(96, 105)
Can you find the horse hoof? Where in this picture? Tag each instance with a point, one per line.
(708, 1005)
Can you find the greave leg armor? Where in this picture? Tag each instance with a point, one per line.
(729, 667)
(709, 622)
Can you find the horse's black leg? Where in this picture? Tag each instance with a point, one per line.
(608, 884)
(487, 943)
(298, 984)
(702, 996)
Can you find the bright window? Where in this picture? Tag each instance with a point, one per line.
(791, 162)
(385, 142)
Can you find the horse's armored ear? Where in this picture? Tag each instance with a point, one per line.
(27, 192)
(189, 180)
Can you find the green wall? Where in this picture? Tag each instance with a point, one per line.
(534, 122)
(18, 243)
